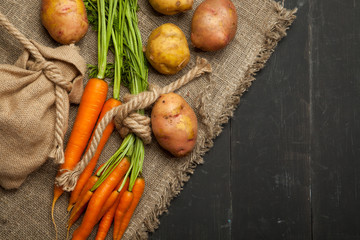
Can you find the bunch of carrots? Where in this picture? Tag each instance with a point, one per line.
(111, 194)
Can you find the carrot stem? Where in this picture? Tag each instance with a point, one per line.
(124, 150)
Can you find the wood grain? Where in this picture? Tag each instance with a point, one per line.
(287, 165)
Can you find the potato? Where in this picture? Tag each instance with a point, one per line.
(171, 7)
(213, 25)
(65, 20)
(174, 124)
(167, 49)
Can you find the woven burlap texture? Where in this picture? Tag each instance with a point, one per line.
(25, 213)
(34, 105)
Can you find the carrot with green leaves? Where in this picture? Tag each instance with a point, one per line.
(104, 187)
(91, 103)
(130, 198)
(136, 80)
(102, 172)
(90, 106)
(95, 11)
(127, 45)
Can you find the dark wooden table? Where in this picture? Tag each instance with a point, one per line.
(287, 165)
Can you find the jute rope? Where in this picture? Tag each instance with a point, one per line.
(53, 73)
(124, 115)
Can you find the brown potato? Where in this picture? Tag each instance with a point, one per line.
(65, 20)
(213, 25)
(171, 7)
(167, 49)
(174, 124)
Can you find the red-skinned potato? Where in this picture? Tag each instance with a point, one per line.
(213, 25)
(65, 20)
(174, 124)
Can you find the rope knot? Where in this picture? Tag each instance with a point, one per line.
(52, 72)
(135, 122)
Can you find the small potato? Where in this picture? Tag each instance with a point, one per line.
(65, 20)
(174, 124)
(167, 49)
(171, 7)
(213, 25)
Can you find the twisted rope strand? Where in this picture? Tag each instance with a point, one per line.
(68, 179)
(22, 39)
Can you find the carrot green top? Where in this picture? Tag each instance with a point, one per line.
(129, 67)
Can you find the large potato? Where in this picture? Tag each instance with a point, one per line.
(167, 49)
(65, 20)
(213, 25)
(171, 7)
(174, 124)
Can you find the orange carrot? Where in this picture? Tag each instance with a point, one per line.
(85, 175)
(79, 208)
(137, 191)
(108, 217)
(113, 196)
(75, 217)
(84, 198)
(90, 183)
(92, 100)
(99, 198)
(121, 209)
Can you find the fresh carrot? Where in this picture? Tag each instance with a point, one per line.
(118, 191)
(79, 208)
(85, 175)
(107, 219)
(137, 191)
(89, 110)
(99, 198)
(84, 197)
(121, 209)
(92, 100)
(76, 216)
(106, 222)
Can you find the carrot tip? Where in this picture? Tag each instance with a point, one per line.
(70, 207)
(53, 218)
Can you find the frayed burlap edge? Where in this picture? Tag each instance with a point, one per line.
(285, 18)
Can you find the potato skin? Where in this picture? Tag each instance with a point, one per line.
(171, 7)
(65, 20)
(174, 124)
(167, 49)
(213, 25)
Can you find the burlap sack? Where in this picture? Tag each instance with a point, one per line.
(28, 113)
(25, 213)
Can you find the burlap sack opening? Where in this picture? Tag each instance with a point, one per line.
(28, 111)
(262, 23)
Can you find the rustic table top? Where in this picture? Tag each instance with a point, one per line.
(287, 165)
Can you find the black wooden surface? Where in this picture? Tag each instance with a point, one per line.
(287, 165)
